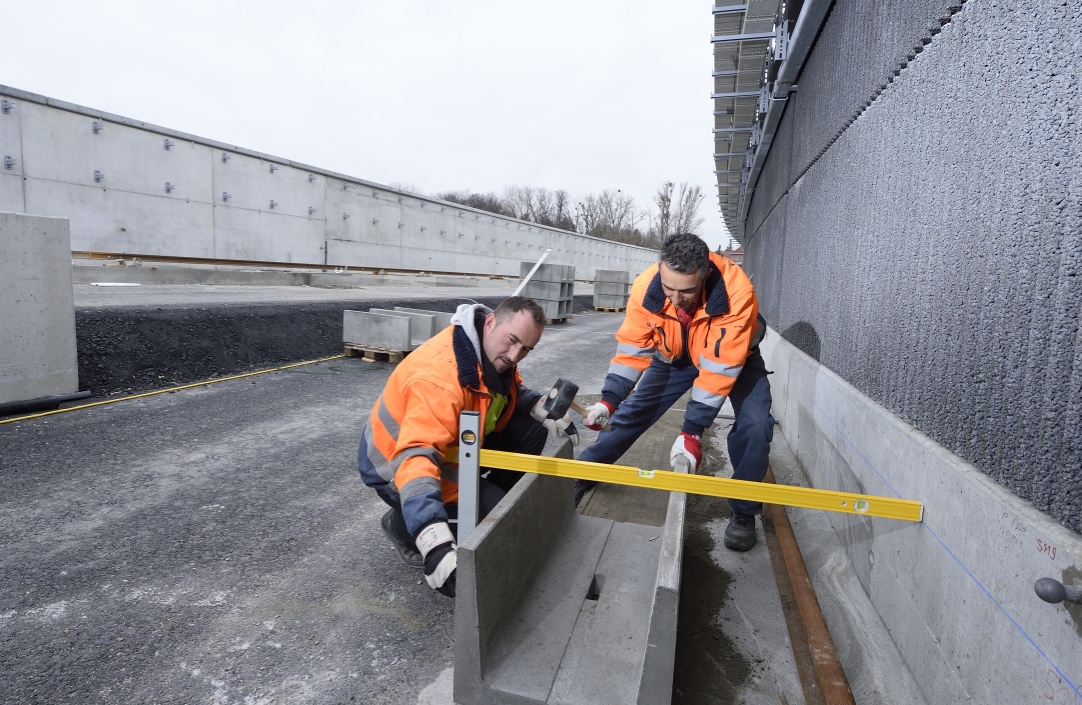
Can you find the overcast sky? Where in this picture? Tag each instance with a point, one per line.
(583, 96)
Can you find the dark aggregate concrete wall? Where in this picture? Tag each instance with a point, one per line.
(932, 255)
(864, 44)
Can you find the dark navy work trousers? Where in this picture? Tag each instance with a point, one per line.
(659, 388)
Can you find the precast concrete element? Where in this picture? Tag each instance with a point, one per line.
(422, 325)
(547, 290)
(125, 193)
(377, 330)
(556, 607)
(552, 286)
(956, 591)
(939, 278)
(37, 312)
(611, 288)
(442, 318)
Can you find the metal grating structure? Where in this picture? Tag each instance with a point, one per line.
(745, 38)
(759, 50)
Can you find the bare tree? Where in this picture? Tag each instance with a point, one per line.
(685, 216)
(677, 211)
(539, 205)
(482, 201)
(612, 215)
(406, 187)
(661, 222)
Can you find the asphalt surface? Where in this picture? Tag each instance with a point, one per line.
(216, 545)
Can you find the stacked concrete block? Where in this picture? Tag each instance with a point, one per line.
(442, 318)
(552, 286)
(375, 331)
(611, 288)
(394, 333)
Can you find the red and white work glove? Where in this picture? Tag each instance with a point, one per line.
(555, 426)
(687, 446)
(440, 552)
(597, 415)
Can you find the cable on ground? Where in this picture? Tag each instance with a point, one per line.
(171, 389)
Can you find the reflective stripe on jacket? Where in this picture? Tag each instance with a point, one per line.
(723, 330)
(415, 420)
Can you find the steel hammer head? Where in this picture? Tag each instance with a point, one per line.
(560, 397)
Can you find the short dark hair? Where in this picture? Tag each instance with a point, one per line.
(513, 304)
(685, 253)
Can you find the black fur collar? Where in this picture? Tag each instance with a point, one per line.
(717, 298)
(466, 359)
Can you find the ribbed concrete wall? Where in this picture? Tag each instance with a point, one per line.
(932, 254)
(108, 174)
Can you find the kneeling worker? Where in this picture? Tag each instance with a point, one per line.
(692, 322)
(470, 366)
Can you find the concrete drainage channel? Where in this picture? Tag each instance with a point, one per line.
(583, 612)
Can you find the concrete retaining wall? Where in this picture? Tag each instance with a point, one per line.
(927, 248)
(37, 310)
(109, 174)
(956, 592)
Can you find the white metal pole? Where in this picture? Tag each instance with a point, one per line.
(526, 279)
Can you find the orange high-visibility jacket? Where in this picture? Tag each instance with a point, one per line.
(724, 328)
(415, 419)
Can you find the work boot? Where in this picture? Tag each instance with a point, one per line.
(581, 488)
(740, 534)
(407, 550)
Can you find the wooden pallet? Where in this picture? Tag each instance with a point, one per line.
(607, 309)
(371, 354)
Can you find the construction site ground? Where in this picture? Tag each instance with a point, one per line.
(216, 545)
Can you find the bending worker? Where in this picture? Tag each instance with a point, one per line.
(469, 366)
(692, 322)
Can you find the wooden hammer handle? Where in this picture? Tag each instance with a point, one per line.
(584, 413)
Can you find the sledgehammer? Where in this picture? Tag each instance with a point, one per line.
(561, 398)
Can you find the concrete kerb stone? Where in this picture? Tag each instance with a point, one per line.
(375, 330)
(554, 606)
(443, 319)
(422, 325)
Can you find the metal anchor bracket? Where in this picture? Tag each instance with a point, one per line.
(1053, 591)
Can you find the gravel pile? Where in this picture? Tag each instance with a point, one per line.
(128, 350)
